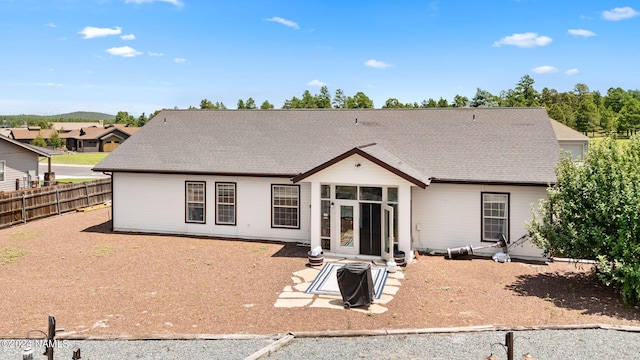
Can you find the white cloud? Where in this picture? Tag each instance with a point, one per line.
(151, 53)
(285, 22)
(91, 32)
(581, 32)
(573, 71)
(620, 13)
(174, 2)
(51, 25)
(376, 64)
(524, 40)
(316, 82)
(128, 37)
(179, 60)
(544, 70)
(124, 51)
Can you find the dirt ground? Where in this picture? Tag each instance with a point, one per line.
(97, 283)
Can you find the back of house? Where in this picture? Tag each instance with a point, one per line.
(363, 183)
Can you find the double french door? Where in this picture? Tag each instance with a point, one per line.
(363, 228)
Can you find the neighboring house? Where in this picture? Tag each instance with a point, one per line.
(70, 126)
(27, 134)
(94, 138)
(351, 181)
(98, 139)
(571, 140)
(19, 164)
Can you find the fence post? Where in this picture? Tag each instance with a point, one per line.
(58, 199)
(86, 187)
(50, 338)
(24, 209)
(509, 343)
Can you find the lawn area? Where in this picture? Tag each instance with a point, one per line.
(77, 159)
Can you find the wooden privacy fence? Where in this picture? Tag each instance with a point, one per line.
(25, 205)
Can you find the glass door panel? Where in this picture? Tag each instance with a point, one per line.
(387, 232)
(347, 234)
(346, 226)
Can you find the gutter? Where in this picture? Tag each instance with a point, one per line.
(187, 172)
(490, 182)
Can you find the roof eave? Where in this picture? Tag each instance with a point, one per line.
(491, 182)
(174, 172)
(28, 147)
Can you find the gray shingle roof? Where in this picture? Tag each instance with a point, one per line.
(512, 145)
(40, 151)
(565, 133)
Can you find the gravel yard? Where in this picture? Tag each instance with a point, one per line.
(103, 284)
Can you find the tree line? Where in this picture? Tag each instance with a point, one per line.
(581, 109)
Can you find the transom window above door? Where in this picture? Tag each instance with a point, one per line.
(346, 192)
(370, 193)
(361, 193)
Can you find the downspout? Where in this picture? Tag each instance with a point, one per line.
(112, 197)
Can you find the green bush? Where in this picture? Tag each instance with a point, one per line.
(593, 212)
(39, 141)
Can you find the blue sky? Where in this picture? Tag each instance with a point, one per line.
(143, 55)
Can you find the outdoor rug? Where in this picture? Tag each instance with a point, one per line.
(326, 282)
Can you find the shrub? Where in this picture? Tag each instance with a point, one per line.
(593, 212)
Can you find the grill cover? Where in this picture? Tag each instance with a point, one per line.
(356, 284)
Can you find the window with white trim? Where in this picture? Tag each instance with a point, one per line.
(285, 204)
(495, 216)
(2, 170)
(195, 201)
(225, 203)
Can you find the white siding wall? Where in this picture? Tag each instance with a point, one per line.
(577, 149)
(156, 203)
(449, 215)
(17, 162)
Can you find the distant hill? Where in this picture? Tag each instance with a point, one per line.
(87, 115)
(78, 116)
(82, 115)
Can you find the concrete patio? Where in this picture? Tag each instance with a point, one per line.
(294, 295)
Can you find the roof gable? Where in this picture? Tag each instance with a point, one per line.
(515, 145)
(379, 156)
(565, 133)
(34, 149)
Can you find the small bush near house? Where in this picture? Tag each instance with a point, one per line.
(593, 212)
(55, 141)
(39, 141)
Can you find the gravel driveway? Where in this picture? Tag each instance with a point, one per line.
(542, 344)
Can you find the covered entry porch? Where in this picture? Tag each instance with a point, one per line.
(361, 206)
(358, 220)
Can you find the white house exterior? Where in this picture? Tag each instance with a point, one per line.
(352, 181)
(570, 141)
